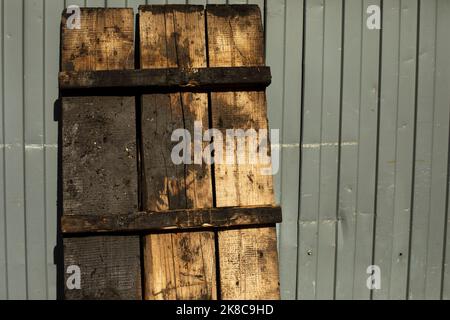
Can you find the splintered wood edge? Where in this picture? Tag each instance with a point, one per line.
(176, 220)
(175, 78)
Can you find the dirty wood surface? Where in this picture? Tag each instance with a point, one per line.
(99, 156)
(165, 79)
(248, 257)
(109, 267)
(177, 265)
(204, 218)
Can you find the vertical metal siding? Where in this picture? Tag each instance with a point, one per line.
(436, 240)
(364, 118)
(396, 146)
(3, 267)
(33, 119)
(13, 126)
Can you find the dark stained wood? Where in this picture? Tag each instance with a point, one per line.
(176, 265)
(248, 257)
(99, 155)
(166, 79)
(109, 266)
(172, 220)
(99, 165)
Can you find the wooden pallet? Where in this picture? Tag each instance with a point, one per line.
(137, 225)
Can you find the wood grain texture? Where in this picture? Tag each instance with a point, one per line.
(177, 265)
(171, 220)
(171, 78)
(104, 42)
(248, 258)
(99, 155)
(110, 267)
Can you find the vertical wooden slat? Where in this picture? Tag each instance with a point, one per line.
(396, 147)
(14, 153)
(52, 13)
(262, 6)
(99, 156)
(3, 262)
(248, 257)
(176, 265)
(34, 149)
(99, 143)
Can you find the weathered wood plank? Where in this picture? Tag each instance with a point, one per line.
(104, 42)
(177, 265)
(109, 267)
(173, 219)
(99, 155)
(248, 258)
(170, 78)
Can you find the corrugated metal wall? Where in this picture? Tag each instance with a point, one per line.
(364, 172)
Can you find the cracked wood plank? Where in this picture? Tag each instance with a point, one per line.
(99, 171)
(172, 220)
(177, 265)
(248, 257)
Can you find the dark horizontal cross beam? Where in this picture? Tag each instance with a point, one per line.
(193, 79)
(172, 220)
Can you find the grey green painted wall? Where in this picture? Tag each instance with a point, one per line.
(364, 118)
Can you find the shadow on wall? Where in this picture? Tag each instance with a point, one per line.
(58, 251)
